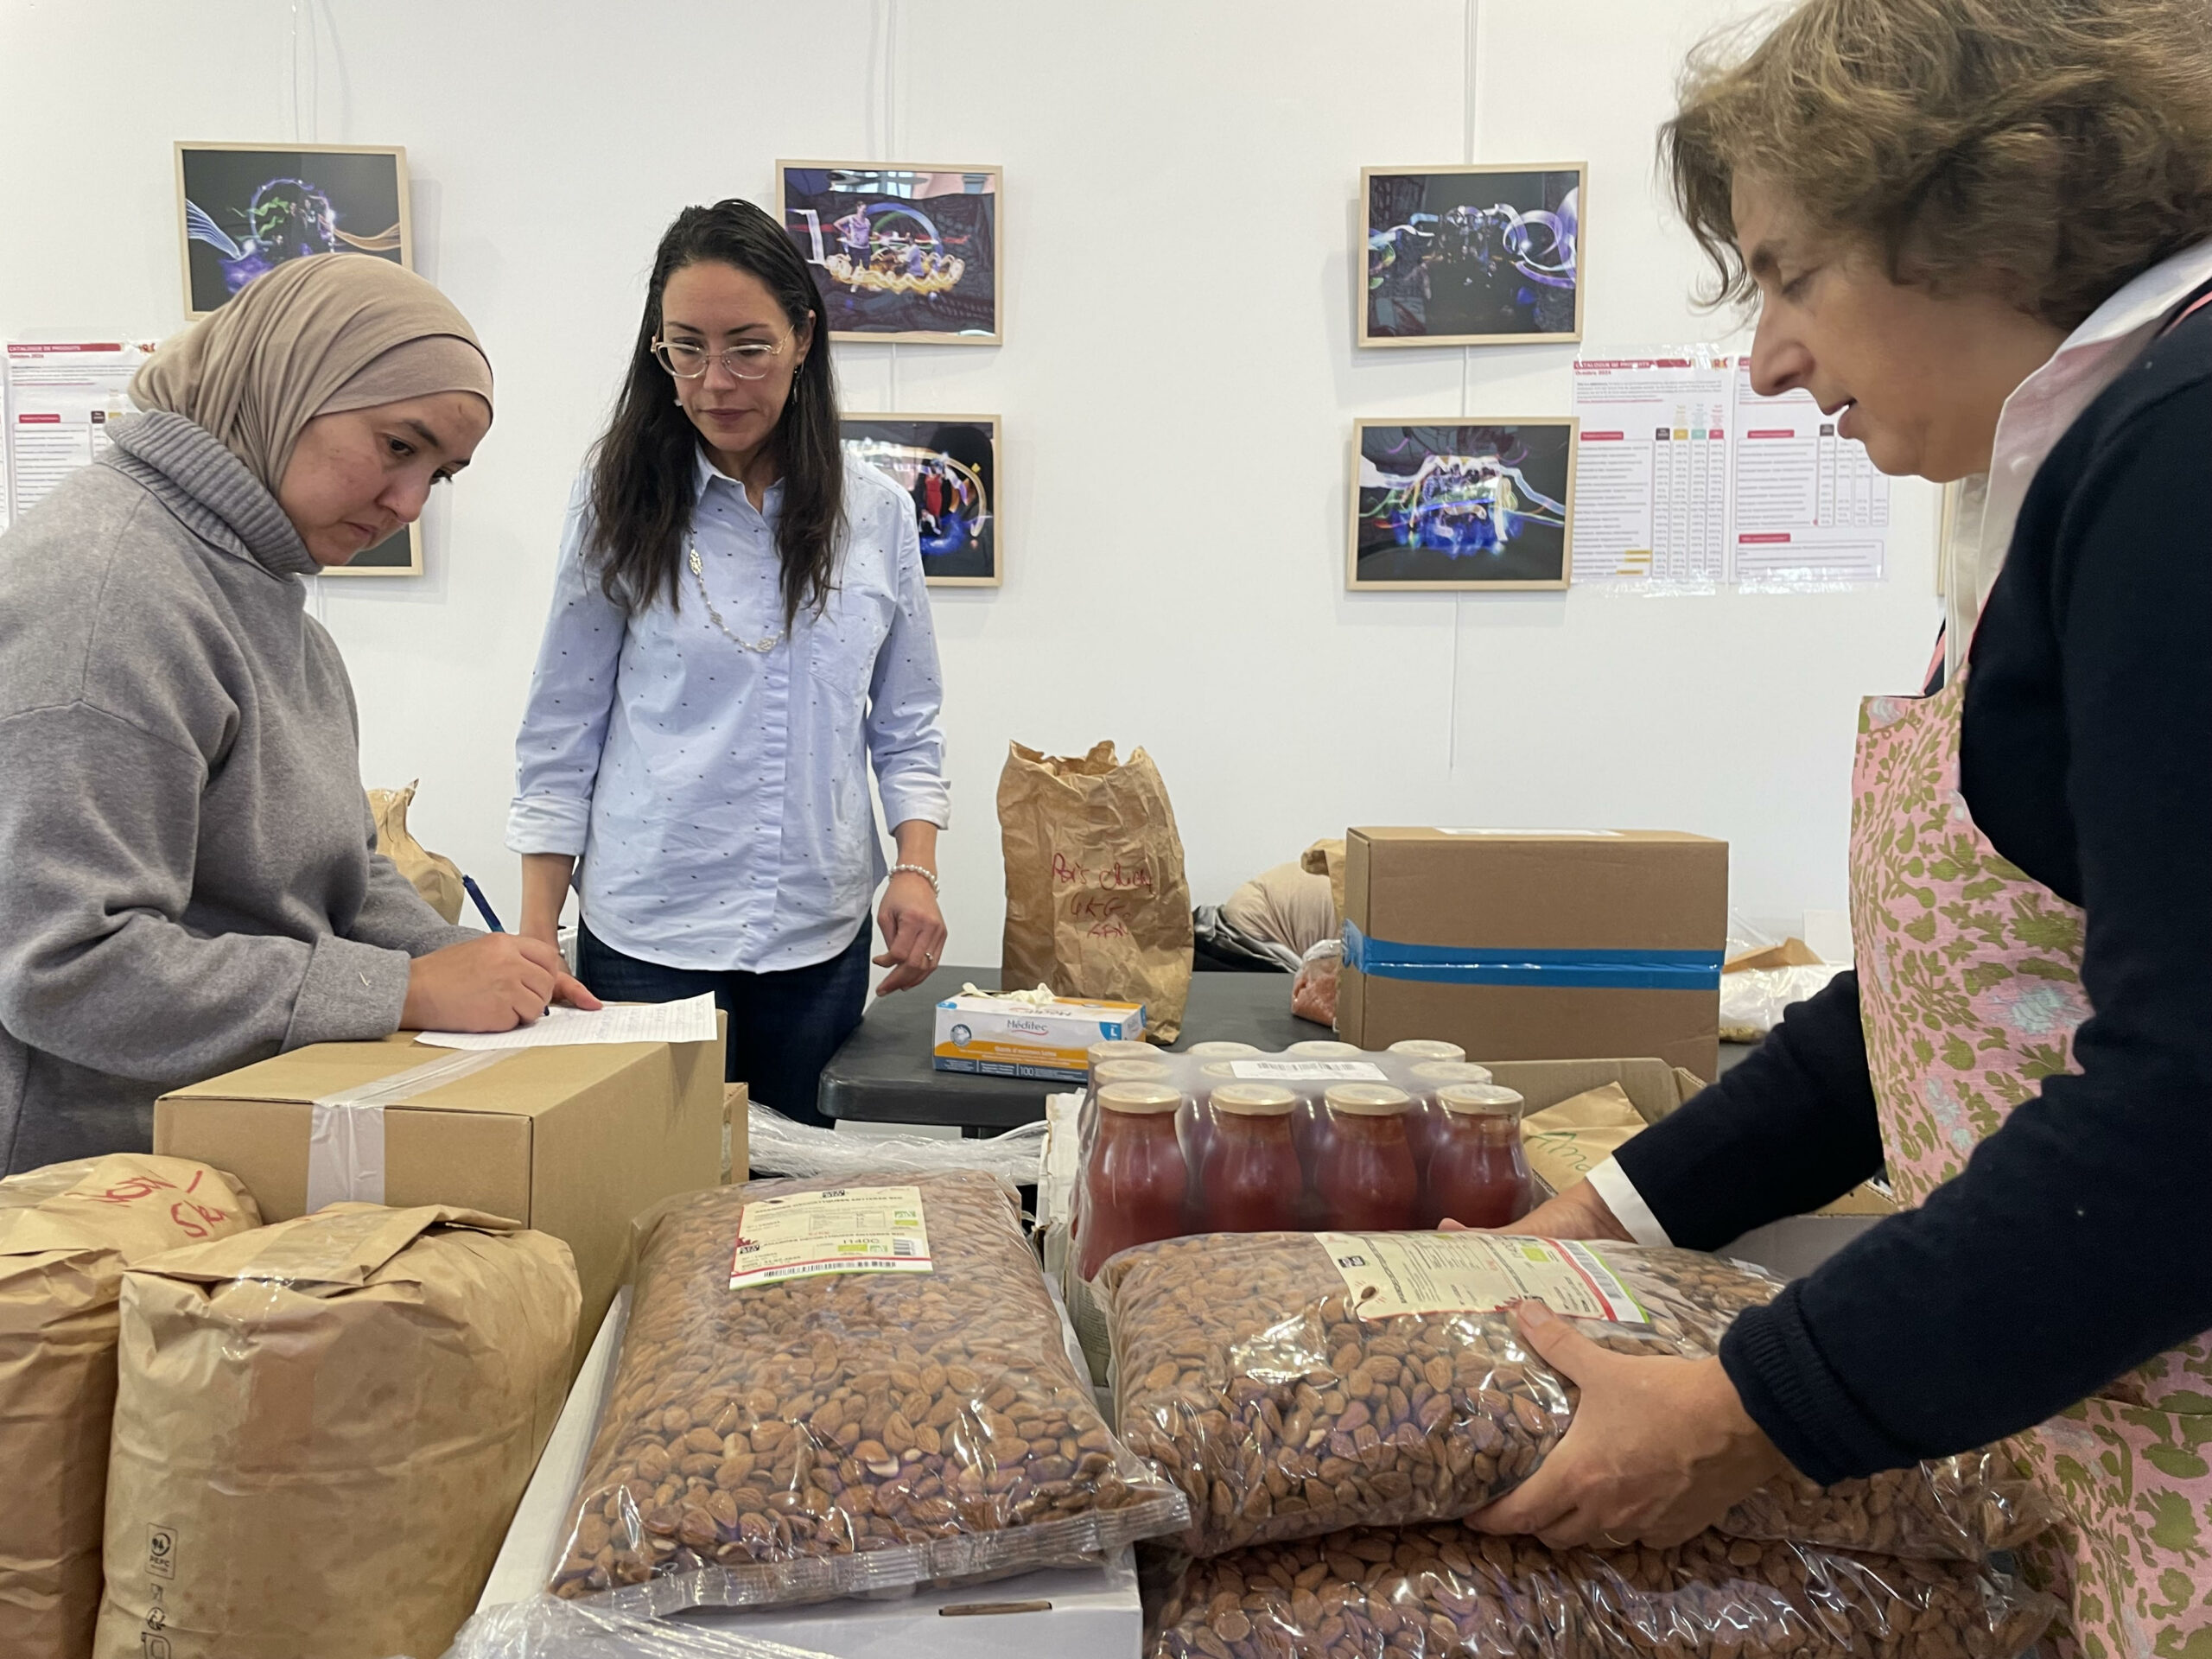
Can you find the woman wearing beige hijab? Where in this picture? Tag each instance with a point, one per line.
(187, 882)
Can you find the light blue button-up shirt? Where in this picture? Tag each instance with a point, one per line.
(717, 797)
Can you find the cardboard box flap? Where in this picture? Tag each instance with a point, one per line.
(524, 1082)
(339, 1248)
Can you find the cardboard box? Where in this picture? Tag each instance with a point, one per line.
(1517, 944)
(1084, 1613)
(572, 1140)
(1005, 1036)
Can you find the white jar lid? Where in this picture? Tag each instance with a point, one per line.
(1324, 1050)
(1254, 1100)
(1119, 1049)
(1369, 1099)
(1452, 1071)
(1484, 1098)
(1130, 1071)
(1139, 1099)
(1221, 1051)
(1427, 1048)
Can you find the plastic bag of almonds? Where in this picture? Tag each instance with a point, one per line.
(1295, 1384)
(1449, 1593)
(827, 1389)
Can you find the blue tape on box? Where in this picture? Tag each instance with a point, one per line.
(1573, 969)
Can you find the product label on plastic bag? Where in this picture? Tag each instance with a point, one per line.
(843, 1230)
(1476, 1273)
(1307, 1072)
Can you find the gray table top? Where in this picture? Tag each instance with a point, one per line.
(883, 1074)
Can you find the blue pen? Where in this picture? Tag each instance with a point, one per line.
(482, 903)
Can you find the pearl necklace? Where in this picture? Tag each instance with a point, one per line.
(699, 576)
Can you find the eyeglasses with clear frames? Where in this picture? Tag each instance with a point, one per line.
(687, 359)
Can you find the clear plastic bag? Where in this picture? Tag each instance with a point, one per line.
(1245, 1374)
(846, 1431)
(1752, 1000)
(1449, 1592)
(1314, 993)
(780, 1145)
(548, 1628)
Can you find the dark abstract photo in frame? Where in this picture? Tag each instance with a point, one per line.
(898, 252)
(948, 465)
(244, 209)
(1472, 256)
(1472, 507)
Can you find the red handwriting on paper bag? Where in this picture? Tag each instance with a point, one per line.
(187, 1215)
(1096, 899)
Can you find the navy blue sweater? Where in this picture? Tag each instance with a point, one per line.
(2078, 1242)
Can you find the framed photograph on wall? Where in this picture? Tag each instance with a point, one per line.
(1479, 506)
(243, 209)
(898, 252)
(1471, 255)
(949, 464)
(399, 553)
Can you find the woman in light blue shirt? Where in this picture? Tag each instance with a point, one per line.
(738, 629)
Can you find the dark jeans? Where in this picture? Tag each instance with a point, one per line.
(783, 1028)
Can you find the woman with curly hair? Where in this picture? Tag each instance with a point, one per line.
(1977, 233)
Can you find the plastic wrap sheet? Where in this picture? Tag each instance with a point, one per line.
(780, 1146)
(549, 1628)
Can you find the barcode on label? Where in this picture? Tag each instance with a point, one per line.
(903, 1246)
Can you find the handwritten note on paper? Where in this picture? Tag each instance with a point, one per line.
(691, 1020)
(1100, 902)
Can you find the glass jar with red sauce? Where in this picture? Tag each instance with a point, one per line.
(1426, 1123)
(1364, 1170)
(1478, 1174)
(1135, 1187)
(1252, 1183)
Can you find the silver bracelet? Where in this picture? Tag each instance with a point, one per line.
(927, 875)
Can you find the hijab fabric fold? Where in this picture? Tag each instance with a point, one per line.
(314, 336)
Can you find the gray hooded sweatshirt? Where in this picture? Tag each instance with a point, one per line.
(187, 878)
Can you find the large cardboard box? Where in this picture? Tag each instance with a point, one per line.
(1521, 945)
(571, 1140)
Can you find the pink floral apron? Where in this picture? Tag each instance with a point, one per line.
(1970, 982)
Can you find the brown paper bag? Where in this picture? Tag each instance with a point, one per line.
(321, 1430)
(66, 1234)
(1567, 1141)
(435, 877)
(1096, 902)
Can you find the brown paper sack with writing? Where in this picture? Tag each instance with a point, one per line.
(66, 1234)
(436, 877)
(1567, 1141)
(322, 1428)
(1095, 901)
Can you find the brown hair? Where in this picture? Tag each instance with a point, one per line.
(2047, 150)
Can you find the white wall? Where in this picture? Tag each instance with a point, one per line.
(1177, 385)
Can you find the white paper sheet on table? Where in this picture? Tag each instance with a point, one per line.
(691, 1020)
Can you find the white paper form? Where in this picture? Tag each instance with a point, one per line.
(60, 396)
(1651, 468)
(1809, 509)
(691, 1020)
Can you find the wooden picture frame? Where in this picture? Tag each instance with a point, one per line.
(1394, 304)
(966, 473)
(890, 314)
(1459, 519)
(376, 189)
(399, 553)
